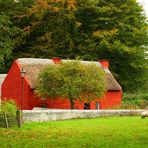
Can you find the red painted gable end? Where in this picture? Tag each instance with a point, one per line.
(12, 86)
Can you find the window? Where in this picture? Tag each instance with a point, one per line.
(98, 105)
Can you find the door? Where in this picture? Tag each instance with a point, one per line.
(86, 105)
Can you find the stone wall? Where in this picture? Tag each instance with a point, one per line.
(53, 115)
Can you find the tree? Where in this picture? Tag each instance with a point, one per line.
(115, 30)
(72, 80)
(7, 32)
(94, 29)
(10, 30)
(50, 21)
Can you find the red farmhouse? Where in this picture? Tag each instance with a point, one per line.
(12, 87)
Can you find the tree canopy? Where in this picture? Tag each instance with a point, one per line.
(10, 30)
(115, 30)
(72, 80)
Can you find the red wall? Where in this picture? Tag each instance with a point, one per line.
(57, 103)
(12, 86)
(111, 99)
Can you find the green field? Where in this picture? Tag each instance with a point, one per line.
(109, 132)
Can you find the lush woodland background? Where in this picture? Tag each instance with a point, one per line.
(115, 30)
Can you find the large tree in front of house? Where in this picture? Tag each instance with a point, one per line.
(72, 80)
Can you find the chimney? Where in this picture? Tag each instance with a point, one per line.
(56, 60)
(104, 63)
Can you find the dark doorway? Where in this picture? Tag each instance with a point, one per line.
(44, 106)
(86, 105)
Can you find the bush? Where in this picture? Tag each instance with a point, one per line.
(8, 107)
(135, 100)
(8, 114)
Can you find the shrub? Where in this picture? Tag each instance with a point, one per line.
(135, 100)
(8, 107)
(8, 114)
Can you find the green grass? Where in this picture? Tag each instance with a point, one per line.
(109, 132)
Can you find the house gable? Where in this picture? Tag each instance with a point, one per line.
(12, 86)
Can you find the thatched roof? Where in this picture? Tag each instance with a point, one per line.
(34, 66)
(2, 77)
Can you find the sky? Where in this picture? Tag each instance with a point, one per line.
(145, 5)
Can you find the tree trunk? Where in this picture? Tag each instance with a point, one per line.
(72, 103)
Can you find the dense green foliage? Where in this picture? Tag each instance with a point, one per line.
(135, 100)
(113, 132)
(7, 43)
(8, 107)
(11, 30)
(72, 80)
(88, 29)
(8, 114)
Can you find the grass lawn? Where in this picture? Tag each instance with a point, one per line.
(109, 132)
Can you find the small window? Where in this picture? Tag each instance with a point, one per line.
(97, 105)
